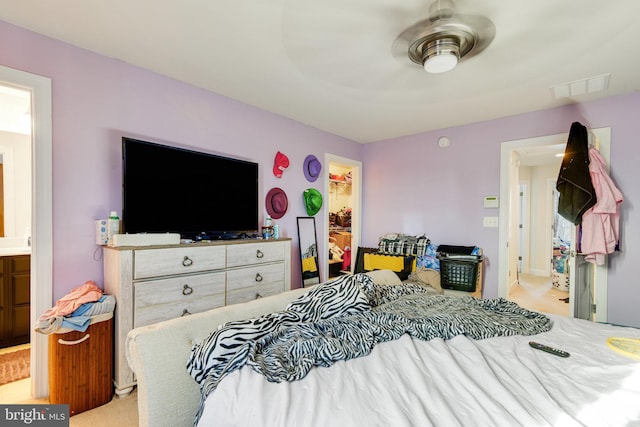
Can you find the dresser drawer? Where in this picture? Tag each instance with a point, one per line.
(255, 292)
(172, 261)
(177, 289)
(259, 280)
(255, 253)
(158, 313)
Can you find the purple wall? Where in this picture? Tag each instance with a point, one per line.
(413, 186)
(97, 100)
(410, 185)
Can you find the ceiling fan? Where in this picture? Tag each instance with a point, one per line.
(439, 42)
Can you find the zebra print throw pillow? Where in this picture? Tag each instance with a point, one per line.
(384, 294)
(347, 294)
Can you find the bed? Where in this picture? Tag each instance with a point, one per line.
(403, 379)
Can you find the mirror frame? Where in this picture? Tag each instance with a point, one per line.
(307, 240)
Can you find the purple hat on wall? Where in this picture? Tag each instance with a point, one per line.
(311, 168)
(276, 203)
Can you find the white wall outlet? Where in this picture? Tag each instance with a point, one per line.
(490, 221)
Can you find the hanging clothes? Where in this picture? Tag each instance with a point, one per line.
(601, 223)
(574, 180)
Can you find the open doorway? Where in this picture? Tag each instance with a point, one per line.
(516, 156)
(537, 285)
(15, 240)
(340, 204)
(41, 289)
(343, 212)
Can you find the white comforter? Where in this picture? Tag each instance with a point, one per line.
(459, 382)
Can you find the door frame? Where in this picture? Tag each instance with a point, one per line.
(507, 148)
(41, 287)
(356, 209)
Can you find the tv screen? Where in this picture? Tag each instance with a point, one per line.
(199, 195)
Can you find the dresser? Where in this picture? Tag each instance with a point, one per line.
(156, 283)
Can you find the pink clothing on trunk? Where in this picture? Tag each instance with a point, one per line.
(601, 223)
(66, 305)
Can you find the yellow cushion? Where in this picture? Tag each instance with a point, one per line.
(383, 262)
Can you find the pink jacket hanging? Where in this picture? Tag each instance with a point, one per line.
(601, 223)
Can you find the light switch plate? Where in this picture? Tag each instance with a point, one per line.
(491, 202)
(490, 221)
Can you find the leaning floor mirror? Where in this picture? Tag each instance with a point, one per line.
(308, 250)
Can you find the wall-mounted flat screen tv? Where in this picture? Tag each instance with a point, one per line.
(199, 195)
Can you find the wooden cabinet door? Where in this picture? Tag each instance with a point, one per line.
(15, 297)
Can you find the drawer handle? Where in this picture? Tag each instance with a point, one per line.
(258, 277)
(187, 261)
(259, 254)
(185, 312)
(65, 342)
(258, 296)
(187, 290)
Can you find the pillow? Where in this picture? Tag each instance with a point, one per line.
(384, 294)
(347, 294)
(384, 277)
(426, 277)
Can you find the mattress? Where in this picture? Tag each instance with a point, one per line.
(498, 381)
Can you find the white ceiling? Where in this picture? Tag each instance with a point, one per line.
(329, 63)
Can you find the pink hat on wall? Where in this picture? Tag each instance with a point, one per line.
(280, 163)
(276, 203)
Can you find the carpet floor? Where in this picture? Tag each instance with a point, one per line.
(14, 366)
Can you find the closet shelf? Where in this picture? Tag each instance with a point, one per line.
(337, 181)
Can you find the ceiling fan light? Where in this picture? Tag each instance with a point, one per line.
(440, 63)
(441, 55)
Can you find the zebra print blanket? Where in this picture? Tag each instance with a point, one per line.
(344, 319)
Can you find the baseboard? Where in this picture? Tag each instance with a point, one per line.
(535, 272)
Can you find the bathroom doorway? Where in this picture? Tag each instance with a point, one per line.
(41, 287)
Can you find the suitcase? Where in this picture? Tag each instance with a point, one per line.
(81, 365)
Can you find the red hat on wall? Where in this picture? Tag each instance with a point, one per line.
(280, 163)
(276, 203)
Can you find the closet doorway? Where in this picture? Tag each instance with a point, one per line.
(513, 163)
(342, 207)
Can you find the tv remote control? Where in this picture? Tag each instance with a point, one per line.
(546, 348)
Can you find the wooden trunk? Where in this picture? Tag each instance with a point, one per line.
(81, 367)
